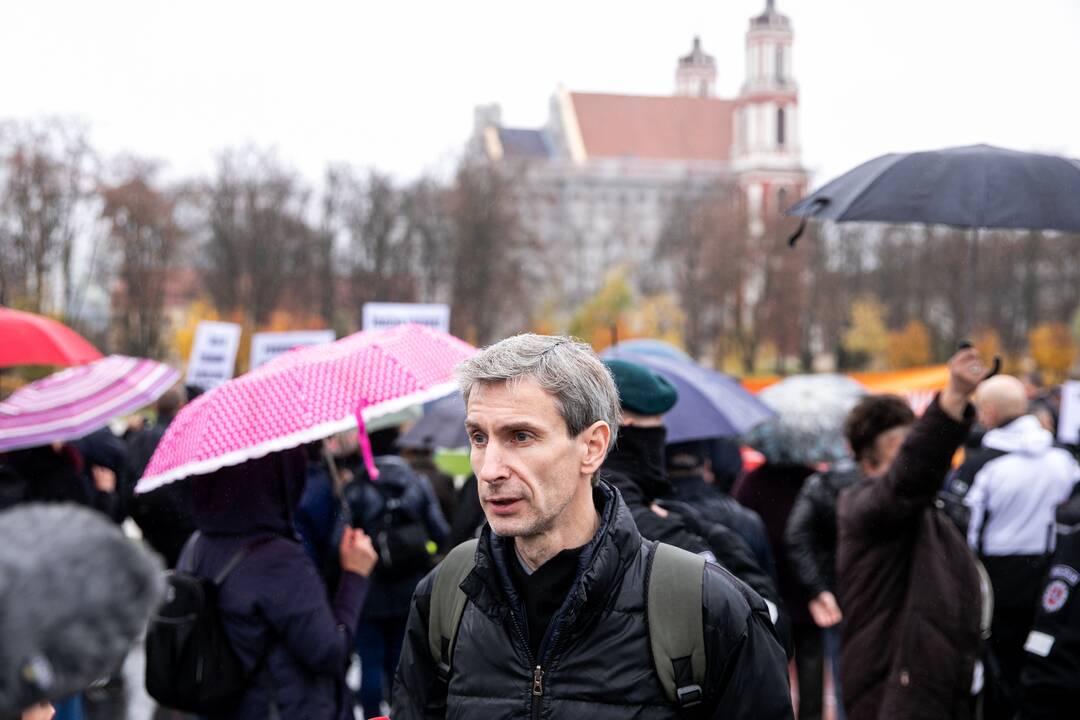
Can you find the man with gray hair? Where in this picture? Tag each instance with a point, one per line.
(561, 608)
(1014, 483)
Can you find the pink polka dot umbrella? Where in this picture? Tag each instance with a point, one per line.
(305, 395)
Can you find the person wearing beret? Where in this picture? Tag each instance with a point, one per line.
(637, 467)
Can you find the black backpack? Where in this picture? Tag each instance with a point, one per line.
(190, 665)
(399, 535)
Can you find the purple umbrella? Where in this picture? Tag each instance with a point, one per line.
(73, 403)
(710, 404)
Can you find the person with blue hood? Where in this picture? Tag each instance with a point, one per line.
(293, 642)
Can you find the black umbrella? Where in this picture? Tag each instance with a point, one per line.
(969, 187)
(972, 187)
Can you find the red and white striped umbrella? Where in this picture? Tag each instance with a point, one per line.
(304, 395)
(72, 403)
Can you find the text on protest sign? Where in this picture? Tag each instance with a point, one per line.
(266, 346)
(213, 354)
(379, 316)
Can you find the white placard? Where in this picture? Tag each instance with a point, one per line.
(266, 346)
(213, 354)
(379, 316)
(1069, 414)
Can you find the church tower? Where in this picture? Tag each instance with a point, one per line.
(766, 153)
(696, 73)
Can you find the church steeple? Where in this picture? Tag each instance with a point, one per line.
(766, 149)
(696, 73)
(768, 52)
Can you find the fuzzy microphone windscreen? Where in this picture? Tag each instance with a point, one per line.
(74, 595)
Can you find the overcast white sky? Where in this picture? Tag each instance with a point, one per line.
(393, 84)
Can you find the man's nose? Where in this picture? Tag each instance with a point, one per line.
(492, 464)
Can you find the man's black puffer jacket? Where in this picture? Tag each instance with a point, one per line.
(595, 659)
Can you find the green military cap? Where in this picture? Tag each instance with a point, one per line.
(641, 390)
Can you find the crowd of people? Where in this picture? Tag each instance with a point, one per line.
(591, 567)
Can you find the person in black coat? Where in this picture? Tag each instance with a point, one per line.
(689, 467)
(636, 467)
(163, 515)
(1051, 674)
(554, 619)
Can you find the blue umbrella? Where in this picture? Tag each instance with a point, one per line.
(442, 426)
(978, 186)
(650, 347)
(710, 404)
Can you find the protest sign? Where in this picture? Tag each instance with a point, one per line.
(266, 346)
(1069, 415)
(379, 316)
(213, 354)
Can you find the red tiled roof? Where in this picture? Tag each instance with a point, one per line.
(682, 128)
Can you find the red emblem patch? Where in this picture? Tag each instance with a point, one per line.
(1055, 596)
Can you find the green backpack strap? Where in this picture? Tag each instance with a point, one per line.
(676, 627)
(448, 604)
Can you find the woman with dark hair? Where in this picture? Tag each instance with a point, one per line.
(294, 643)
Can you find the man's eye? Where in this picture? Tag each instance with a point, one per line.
(522, 436)
(478, 438)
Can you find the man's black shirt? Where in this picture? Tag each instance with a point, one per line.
(544, 591)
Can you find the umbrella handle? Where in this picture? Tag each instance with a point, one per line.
(365, 446)
(815, 207)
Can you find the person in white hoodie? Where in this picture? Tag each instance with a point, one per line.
(1017, 479)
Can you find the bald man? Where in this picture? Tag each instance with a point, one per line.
(1017, 479)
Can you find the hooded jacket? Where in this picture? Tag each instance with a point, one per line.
(909, 586)
(595, 660)
(273, 604)
(1016, 489)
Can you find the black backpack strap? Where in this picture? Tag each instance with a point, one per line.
(186, 562)
(676, 625)
(240, 555)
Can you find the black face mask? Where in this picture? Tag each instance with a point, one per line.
(639, 454)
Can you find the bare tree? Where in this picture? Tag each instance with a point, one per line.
(368, 213)
(47, 177)
(144, 234)
(493, 255)
(424, 206)
(256, 230)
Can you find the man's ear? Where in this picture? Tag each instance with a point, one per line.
(594, 443)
